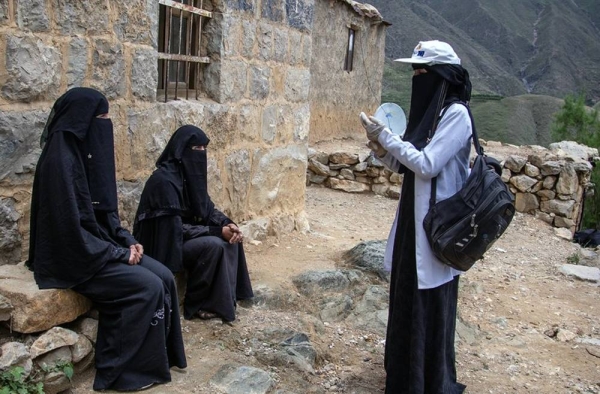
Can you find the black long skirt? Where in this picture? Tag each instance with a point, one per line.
(419, 349)
(139, 332)
(217, 277)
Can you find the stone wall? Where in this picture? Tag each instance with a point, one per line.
(548, 183)
(254, 105)
(338, 96)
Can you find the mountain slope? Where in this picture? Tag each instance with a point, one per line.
(510, 47)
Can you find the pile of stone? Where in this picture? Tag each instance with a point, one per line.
(548, 183)
(352, 172)
(41, 343)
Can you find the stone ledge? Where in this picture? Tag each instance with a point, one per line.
(37, 310)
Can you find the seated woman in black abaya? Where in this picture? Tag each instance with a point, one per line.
(77, 242)
(179, 225)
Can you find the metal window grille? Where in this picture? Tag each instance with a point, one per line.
(350, 50)
(180, 53)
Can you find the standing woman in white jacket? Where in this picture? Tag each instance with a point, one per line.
(419, 352)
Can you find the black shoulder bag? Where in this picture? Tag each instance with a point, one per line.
(463, 227)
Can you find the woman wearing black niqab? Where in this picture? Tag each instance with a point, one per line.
(77, 242)
(419, 348)
(179, 225)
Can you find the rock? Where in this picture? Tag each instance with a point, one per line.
(87, 327)
(522, 182)
(312, 282)
(582, 272)
(56, 382)
(256, 229)
(38, 310)
(371, 311)
(52, 339)
(565, 335)
(368, 256)
(563, 233)
(515, 163)
(573, 149)
(15, 354)
(558, 207)
(55, 358)
(232, 379)
(300, 344)
(551, 168)
(343, 158)
(348, 186)
(81, 348)
(5, 308)
(568, 181)
(336, 308)
(526, 202)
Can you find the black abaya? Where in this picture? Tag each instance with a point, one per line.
(77, 242)
(419, 349)
(178, 224)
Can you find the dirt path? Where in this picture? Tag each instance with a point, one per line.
(516, 312)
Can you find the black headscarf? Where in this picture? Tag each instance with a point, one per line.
(76, 112)
(180, 183)
(442, 85)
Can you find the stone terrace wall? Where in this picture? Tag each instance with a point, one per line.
(548, 183)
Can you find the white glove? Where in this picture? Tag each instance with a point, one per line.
(372, 126)
(377, 148)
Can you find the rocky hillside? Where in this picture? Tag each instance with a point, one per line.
(512, 47)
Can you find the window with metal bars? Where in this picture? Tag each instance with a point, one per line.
(350, 50)
(180, 49)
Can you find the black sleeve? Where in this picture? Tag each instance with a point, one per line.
(162, 239)
(218, 218)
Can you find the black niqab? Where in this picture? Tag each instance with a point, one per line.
(442, 85)
(179, 158)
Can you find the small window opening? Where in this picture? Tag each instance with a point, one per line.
(180, 48)
(350, 50)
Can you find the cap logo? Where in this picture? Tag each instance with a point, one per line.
(421, 53)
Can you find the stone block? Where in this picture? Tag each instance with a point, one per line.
(233, 80)
(278, 179)
(15, 354)
(272, 10)
(297, 84)
(33, 15)
(348, 186)
(343, 158)
(4, 13)
(549, 182)
(306, 50)
(108, 74)
(82, 17)
(136, 21)
(239, 170)
(265, 41)
(301, 123)
(144, 74)
(242, 379)
(558, 207)
(296, 54)
(78, 62)
(248, 38)
(10, 237)
(33, 69)
(522, 182)
(34, 309)
(568, 181)
(531, 170)
(551, 168)
(260, 82)
(242, 5)
(269, 123)
(300, 14)
(515, 163)
(526, 202)
(280, 45)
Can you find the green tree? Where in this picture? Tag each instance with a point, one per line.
(577, 122)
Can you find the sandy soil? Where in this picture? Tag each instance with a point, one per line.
(516, 312)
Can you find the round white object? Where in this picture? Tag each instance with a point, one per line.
(393, 117)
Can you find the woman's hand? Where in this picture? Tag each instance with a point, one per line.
(136, 254)
(232, 234)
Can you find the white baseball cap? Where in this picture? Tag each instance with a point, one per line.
(431, 53)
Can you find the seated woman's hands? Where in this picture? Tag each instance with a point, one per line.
(232, 234)
(136, 254)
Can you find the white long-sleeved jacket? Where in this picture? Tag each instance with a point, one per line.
(447, 157)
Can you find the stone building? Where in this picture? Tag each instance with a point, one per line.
(258, 76)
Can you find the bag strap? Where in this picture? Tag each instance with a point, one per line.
(474, 138)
